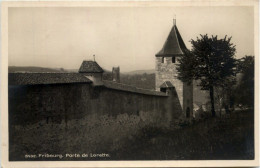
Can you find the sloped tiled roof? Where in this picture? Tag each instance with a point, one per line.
(128, 88)
(174, 45)
(167, 84)
(90, 67)
(46, 78)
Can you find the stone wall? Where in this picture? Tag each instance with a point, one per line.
(72, 101)
(167, 72)
(188, 99)
(66, 118)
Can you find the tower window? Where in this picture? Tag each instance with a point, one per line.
(162, 59)
(173, 60)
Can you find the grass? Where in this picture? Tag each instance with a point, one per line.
(229, 138)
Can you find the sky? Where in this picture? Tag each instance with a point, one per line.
(128, 37)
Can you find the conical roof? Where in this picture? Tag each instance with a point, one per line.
(166, 84)
(90, 67)
(174, 45)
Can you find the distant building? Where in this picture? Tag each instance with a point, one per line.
(116, 74)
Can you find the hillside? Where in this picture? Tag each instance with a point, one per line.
(12, 69)
(140, 72)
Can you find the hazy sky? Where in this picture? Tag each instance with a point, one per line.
(122, 36)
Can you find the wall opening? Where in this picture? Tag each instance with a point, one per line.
(173, 60)
(47, 120)
(187, 112)
(163, 90)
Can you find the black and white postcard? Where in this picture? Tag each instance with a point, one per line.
(141, 83)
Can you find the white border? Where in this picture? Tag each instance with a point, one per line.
(177, 3)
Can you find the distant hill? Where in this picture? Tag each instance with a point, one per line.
(142, 78)
(145, 81)
(34, 69)
(72, 70)
(139, 72)
(45, 69)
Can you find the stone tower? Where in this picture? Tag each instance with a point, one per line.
(166, 63)
(116, 74)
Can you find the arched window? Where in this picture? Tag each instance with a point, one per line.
(173, 60)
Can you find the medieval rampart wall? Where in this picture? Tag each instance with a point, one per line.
(80, 116)
(54, 103)
(166, 71)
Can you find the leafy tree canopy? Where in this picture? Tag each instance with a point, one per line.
(245, 88)
(211, 60)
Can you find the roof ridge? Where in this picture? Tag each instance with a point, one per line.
(130, 88)
(174, 45)
(178, 43)
(46, 78)
(128, 85)
(181, 40)
(90, 67)
(42, 72)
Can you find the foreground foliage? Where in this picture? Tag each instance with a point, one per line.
(244, 92)
(227, 138)
(130, 138)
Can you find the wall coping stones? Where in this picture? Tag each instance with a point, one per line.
(128, 88)
(46, 78)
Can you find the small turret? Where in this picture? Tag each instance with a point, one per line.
(166, 87)
(92, 71)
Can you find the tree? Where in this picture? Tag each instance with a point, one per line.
(211, 60)
(224, 95)
(245, 88)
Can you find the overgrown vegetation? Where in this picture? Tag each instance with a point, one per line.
(129, 138)
(244, 91)
(91, 134)
(226, 138)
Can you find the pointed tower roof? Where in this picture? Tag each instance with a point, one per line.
(90, 67)
(174, 45)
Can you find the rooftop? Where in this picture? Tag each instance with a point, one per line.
(46, 78)
(90, 67)
(124, 87)
(174, 45)
(167, 84)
